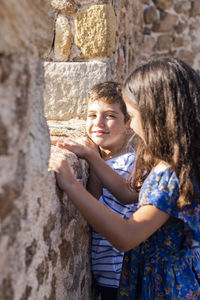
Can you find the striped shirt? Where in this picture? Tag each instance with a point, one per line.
(107, 260)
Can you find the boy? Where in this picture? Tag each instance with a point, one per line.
(108, 127)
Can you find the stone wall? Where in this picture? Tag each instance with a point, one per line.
(44, 242)
(105, 39)
(125, 33)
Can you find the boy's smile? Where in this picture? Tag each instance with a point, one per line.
(99, 132)
(106, 126)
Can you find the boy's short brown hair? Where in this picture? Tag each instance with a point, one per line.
(108, 92)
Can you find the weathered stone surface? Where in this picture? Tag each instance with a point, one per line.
(19, 95)
(180, 27)
(93, 1)
(65, 6)
(6, 289)
(95, 28)
(26, 24)
(62, 38)
(148, 45)
(145, 1)
(166, 24)
(187, 56)
(32, 210)
(67, 85)
(182, 6)
(178, 42)
(195, 10)
(164, 43)
(72, 128)
(150, 15)
(163, 4)
(4, 139)
(194, 27)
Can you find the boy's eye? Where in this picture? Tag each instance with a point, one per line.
(91, 116)
(110, 116)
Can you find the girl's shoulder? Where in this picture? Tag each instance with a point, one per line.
(160, 188)
(161, 172)
(162, 176)
(161, 167)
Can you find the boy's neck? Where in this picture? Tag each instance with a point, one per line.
(109, 154)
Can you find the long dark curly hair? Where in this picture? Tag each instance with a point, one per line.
(166, 92)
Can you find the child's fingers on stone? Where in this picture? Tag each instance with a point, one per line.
(56, 161)
(54, 142)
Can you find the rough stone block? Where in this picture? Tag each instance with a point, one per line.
(93, 1)
(73, 128)
(163, 4)
(26, 24)
(95, 29)
(180, 27)
(145, 1)
(178, 42)
(67, 84)
(164, 43)
(187, 56)
(150, 15)
(62, 38)
(167, 23)
(65, 6)
(195, 11)
(148, 45)
(182, 7)
(39, 225)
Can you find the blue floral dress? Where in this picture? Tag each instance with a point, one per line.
(167, 265)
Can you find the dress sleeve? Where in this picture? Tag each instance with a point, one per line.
(162, 191)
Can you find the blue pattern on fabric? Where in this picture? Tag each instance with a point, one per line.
(167, 265)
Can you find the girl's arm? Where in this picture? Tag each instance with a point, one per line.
(114, 182)
(123, 234)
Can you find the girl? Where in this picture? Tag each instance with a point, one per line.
(162, 238)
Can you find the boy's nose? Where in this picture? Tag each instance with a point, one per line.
(99, 121)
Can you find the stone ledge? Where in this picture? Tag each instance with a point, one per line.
(72, 128)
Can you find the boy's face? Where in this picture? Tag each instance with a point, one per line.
(106, 126)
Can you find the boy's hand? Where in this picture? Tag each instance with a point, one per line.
(83, 148)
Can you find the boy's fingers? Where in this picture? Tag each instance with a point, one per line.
(57, 142)
(54, 142)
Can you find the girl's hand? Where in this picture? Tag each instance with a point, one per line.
(64, 173)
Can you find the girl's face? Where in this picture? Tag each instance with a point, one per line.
(106, 126)
(136, 123)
